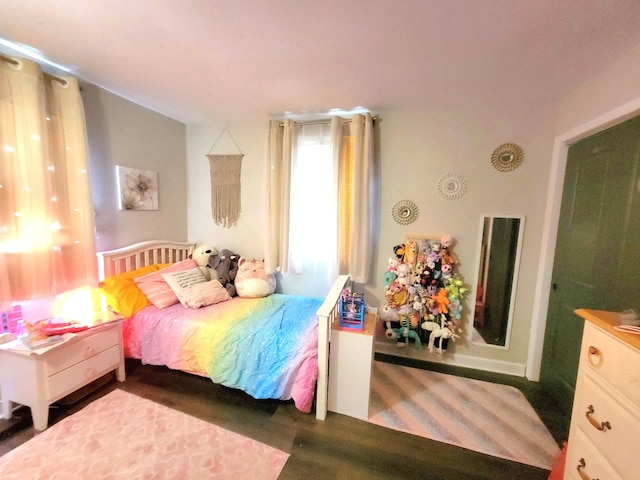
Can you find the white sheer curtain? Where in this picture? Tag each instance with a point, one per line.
(332, 164)
(46, 218)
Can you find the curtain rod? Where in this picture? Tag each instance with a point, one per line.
(326, 121)
(13, 61)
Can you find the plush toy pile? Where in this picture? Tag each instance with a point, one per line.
(240, 276)
(423, 294)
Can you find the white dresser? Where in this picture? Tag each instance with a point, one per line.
(39, 379)
(604, 438)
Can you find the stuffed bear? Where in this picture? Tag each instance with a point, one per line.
(252, 280)
(201, 256)
(225, 266)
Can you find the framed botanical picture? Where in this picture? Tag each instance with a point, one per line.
(137, 189)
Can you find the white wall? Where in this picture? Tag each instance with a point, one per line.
(417, 149)
(245, 238)
(123, 133)
(614, 85)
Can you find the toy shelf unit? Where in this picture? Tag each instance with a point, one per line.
(352, 310)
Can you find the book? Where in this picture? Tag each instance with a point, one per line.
(39, 341)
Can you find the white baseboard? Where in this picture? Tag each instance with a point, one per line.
(453, 359)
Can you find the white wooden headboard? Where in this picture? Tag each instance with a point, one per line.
(125, 259)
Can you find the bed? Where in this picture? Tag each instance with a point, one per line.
(271, 347)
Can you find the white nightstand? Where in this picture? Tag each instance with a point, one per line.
(350, 361)
(39, 379)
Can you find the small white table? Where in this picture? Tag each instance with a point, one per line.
(350, 361)
(37, 379)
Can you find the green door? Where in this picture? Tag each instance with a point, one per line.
(597, 257)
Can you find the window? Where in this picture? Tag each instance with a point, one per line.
(319, 208)
(310, 205)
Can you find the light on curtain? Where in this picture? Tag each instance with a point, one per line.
(46, 219)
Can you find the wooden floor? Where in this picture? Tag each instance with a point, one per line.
(338, 448)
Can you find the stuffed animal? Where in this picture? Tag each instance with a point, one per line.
(442, 300)
(391, 319)
(201, 256)
(405, 332)
(233, 260)
(252, 280)
(455, 288)
(389, 277)
(447, 271)
(403, 274)
(393, 264)
(441, 333)
(411, 253)
(447, 255)
(398, 250)
(225, 266)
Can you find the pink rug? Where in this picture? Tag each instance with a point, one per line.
(481, 416)
(123, 436)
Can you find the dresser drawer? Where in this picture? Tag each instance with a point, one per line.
(599, 352)
(584, 461)
(627, 376)
(82, 373)
(609, 425)
(86, 346)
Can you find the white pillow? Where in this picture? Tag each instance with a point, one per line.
(181, 280)
(206, 293)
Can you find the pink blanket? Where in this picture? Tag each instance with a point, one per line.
(267, 347)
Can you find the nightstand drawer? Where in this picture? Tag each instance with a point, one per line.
(76, 351)
(82, 373)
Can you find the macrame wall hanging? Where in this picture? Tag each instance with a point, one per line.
(225, 172)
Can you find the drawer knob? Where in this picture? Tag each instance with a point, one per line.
(595, 356)
(580, 467)
(602, 426)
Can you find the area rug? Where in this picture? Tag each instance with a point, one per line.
(481, 416)
(123, 436)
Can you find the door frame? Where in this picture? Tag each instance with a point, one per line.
(551, 219)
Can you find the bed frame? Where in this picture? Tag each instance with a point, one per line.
(125, 259)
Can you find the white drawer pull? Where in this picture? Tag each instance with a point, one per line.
(89, 372)
(602, 426)
(581, 465)
(89, 352)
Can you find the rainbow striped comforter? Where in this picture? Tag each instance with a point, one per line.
(267, 347)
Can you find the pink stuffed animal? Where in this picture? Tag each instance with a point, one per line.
(252, 281)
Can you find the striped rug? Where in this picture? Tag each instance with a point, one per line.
(481, 416)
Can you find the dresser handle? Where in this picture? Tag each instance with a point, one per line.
(595, 357)
(598, 426)
(581, 465)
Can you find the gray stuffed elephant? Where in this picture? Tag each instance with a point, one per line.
(225, 264)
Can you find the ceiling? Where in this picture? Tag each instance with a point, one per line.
(202, 60)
